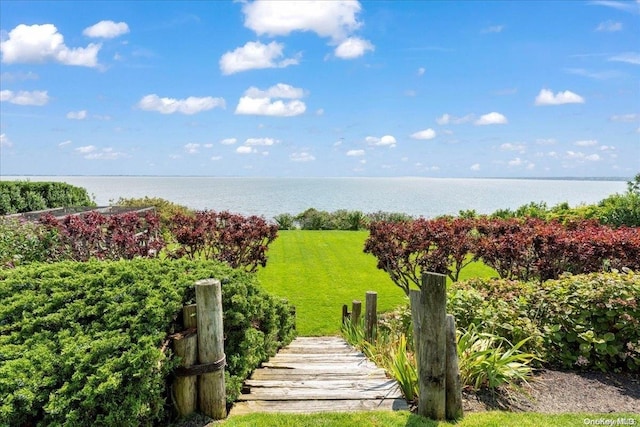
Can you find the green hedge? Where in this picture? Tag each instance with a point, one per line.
(80, 343)
(27, 196)
(581, 321)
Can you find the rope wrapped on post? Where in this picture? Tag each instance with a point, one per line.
(202, 368)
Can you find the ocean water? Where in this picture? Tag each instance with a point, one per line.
(427, 197)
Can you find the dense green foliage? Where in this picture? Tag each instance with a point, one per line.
(581, 321)
(26, 196)
(81, 343)
(23, 242)
(616, 210)
(342, 219)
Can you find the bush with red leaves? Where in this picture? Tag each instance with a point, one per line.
(112, 237)
(239, 241)
(407, 249)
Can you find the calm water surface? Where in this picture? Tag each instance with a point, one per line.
(426, 197)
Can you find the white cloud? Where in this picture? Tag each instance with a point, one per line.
(36, 97)
(517, 162)
(64, 143)
(599, 75)
(609, 26)
(546, 141)
(387, 140)
(260, 141)
(628, 57)
(447, 119)
(491, 119)
(493, 29)
(106, 29)
(264, 107)
(513, 147)
(216, 158)
(190, 105)
(18, 76)
(625, 118)
(353, 47)
(192, 147)
(259, 102)
(280, 90)
(243, 149)
(320, 112)
(335, 19)
(355, 153)
(43, 43)
(4, 141)
(301, 157)
(607, 148)
(625, 6)
(86, 149)
(475, 167)
(424, 134)
(104, 154)
(577, 155)
(586, 143)
(253, 56)
(228, 141)
(546, 97)
(421, 71)
(77, 115)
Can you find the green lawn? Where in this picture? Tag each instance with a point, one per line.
(319, 271)
(405, 419)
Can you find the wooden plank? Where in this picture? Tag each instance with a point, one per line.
(311, 406)
(359, 384)
(319, 358)
(319, 374)
(318, 350)
(339, 367)
(316, 394)
(314, 374)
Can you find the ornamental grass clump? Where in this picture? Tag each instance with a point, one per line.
(488, 360)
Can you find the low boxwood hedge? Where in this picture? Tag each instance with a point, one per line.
(81, 343)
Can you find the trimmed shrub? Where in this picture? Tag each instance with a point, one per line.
(82, 343)
(581, 321)
(26, 196)
(23, 242)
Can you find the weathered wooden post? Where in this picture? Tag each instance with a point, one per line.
(431, 346)
(356, 311)
(189, 313)
(371, 316)
(211, 386)
(186, 347)
(453, 387)
(345, 313)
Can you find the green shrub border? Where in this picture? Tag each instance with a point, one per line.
(81, 343)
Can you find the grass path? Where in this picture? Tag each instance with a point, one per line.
(319, 271)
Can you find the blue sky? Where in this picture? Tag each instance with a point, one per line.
(327, 88)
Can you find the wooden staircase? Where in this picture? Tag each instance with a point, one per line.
(319, 374)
